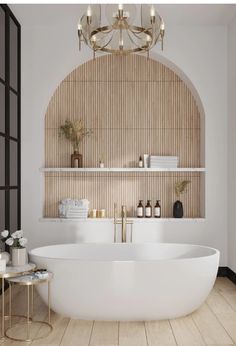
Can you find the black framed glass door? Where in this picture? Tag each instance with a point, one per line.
(10, 105)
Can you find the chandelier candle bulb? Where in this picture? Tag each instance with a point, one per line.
(152, 12)
(89, 15)
(121, 44)
(120, 11)
(80, 35)
(162, 26)
(89, 11)
(152, 15)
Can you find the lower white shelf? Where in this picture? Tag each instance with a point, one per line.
(46, 219)
(122, 169)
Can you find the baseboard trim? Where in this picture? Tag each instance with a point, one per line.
(227, 272)
(222, 271)
(231, 275)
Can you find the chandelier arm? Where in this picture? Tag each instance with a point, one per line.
(103, 29)
(104, 47)
(136, 35)
(143, 47)
(139, 29)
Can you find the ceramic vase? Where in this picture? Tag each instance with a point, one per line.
(19, 256)
(178, 210)
(76, 160)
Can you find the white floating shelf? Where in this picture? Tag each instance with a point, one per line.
(45, 219)
(139, 170)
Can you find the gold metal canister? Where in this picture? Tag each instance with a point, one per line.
(101, 213)
(93, 213)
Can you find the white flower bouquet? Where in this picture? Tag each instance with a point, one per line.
(15, 239)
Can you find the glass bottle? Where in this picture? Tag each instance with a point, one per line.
(157, 209)
(148, 209)
(140, 209)
(140, 162)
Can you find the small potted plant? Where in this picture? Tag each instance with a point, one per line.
(101, 161)
(17, 243)
(180, 188)
(75, 131)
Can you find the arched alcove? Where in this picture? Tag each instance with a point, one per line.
(135, 106)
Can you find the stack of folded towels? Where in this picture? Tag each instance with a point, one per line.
(163, 161)
(74, 208)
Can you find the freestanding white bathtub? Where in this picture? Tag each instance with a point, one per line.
(149, 281)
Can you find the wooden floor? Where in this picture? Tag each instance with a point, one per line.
(213, 324)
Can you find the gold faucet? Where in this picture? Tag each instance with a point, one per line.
(123, 222)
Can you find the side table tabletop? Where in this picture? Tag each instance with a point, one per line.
(8, 273)
(30, 280)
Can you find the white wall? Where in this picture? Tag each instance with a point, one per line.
(49, 53)
(232, 144)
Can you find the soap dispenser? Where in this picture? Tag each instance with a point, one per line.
(140, 209)
(140, 162)
(157, 209)
(148, 209)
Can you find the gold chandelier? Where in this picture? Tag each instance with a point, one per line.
(121, 33)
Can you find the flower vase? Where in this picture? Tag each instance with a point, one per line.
(19, 256)
(178, 210)
(76, 160)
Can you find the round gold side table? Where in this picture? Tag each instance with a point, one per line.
(8, 273)
(29, 280)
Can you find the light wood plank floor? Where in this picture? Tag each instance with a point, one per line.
(213, 324)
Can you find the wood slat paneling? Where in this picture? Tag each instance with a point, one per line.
(134, 106)
(103, 189)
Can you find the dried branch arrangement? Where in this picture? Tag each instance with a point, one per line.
(180, 187)
(75, 131)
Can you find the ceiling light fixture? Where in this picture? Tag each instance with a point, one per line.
(120, 34)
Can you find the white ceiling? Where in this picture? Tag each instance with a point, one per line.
(50, 15)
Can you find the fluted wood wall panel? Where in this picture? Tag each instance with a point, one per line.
(103, 189)
(134, 106)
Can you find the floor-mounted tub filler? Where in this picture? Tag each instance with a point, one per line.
(149, 281)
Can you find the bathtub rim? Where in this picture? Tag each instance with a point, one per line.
(216, 252)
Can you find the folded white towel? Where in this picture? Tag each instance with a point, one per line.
(67, 204)
(163, 157)
(82, 203)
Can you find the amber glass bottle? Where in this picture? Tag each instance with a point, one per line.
(140, 209)
(157, 209)
(148, 209)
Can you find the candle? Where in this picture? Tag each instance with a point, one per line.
(89, 11)
(93, 39)
(120, 7)
(162, 26)
(152, 12)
